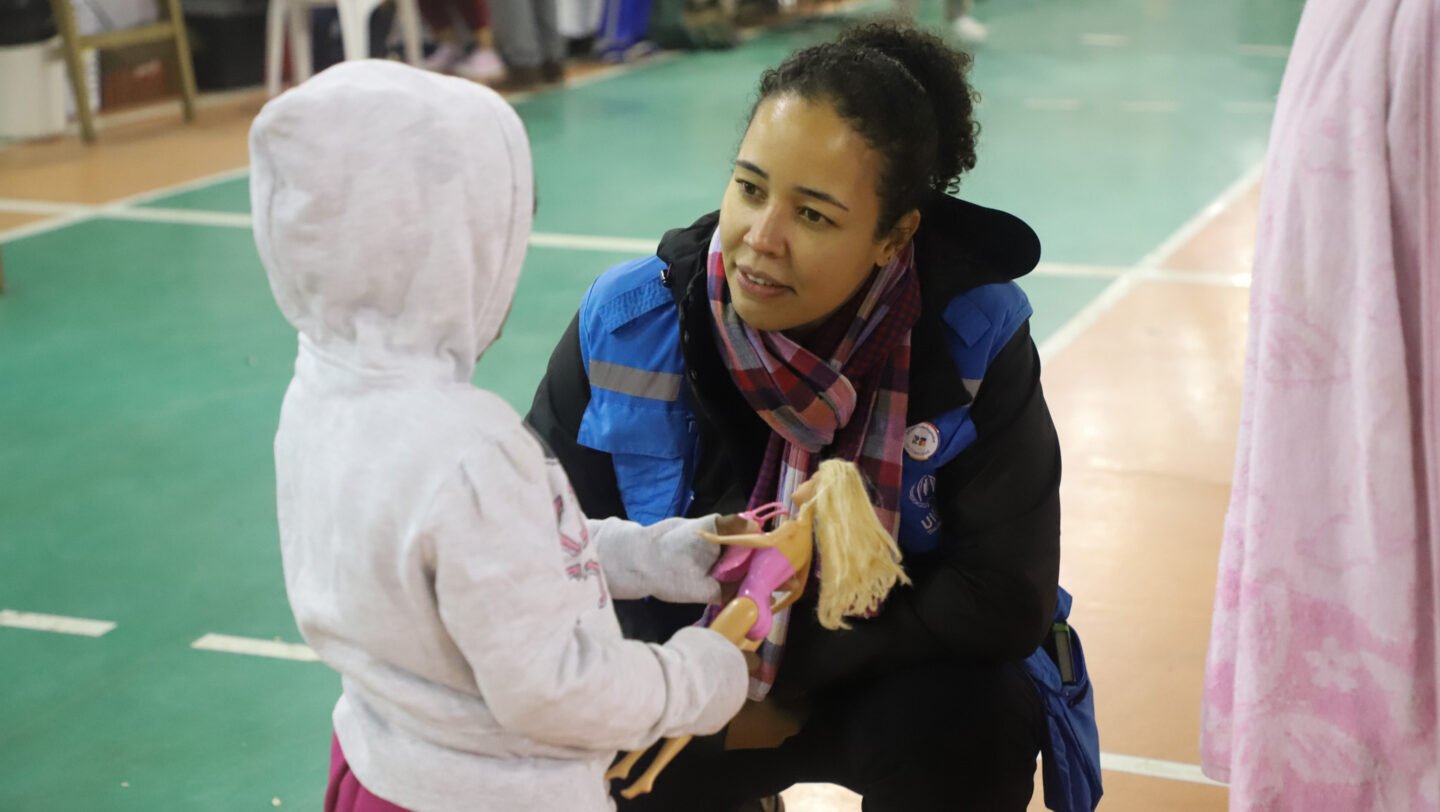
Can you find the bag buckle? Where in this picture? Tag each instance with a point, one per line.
(1064, 653)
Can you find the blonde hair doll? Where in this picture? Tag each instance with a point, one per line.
(859, 565)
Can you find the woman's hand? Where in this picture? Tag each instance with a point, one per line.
(735, 530)
(734, 525)
(735, 560)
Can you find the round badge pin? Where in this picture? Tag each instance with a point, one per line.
(922, 440)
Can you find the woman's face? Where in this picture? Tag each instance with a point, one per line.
(798, 221)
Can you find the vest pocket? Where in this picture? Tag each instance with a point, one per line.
(651, 446)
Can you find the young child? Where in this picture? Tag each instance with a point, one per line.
(434, 553)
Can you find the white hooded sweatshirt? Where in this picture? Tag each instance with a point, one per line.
(434, 553)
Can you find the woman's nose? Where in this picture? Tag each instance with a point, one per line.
(766, 234)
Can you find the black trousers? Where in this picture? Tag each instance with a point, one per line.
(946, 737)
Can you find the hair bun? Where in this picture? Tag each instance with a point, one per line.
(941, 72)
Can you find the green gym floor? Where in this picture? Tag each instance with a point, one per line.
(142, 363)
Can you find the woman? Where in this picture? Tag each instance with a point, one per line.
(841, 305)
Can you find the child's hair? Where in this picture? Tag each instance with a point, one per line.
(906, 93)
(859, 560)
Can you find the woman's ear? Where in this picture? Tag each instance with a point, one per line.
(901, 234)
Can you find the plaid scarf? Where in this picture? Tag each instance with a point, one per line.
(843, 397)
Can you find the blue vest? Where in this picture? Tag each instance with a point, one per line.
(640, 411)
(641, 415)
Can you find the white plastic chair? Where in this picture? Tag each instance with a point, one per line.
(354, 34)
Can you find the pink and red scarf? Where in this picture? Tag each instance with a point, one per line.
(841, 395)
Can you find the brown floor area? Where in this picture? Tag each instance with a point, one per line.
(1135, 793)
(9, 220)
(1123, 793)
(1227, 245)
(1147, 448)
(132, 158)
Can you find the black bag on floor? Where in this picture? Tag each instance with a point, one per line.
(23, 22)
(691, 25)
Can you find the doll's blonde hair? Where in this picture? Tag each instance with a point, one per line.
(859, 560)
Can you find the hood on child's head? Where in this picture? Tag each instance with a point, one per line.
(392, 208)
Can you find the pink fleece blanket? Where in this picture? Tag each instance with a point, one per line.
(1321, 682)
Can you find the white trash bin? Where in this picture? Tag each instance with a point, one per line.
(33, 90)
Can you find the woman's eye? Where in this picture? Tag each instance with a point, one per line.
(812, 216)
(748, 188)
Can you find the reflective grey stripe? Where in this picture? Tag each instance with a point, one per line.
(640, 383)
(972, 385)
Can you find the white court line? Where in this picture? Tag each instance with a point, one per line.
(62, 214)
(76, 214)
(1193, 226)
(1234, 108)
(1098, 40)
(255, 647)
(1088, 315)
(1079, 271)
(1150, 106)
(31, 229)
(41, 207)
(178, 188)
(1207, 278)
(1255, 49)
(580, 242)
(58, 624)
(1217, 279)
(1053, 104)
(1244, 107)
(71, 213)
(1127, 281)
(176, 216)
(1155, 768)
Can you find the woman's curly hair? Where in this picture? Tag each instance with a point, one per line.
(906, 92)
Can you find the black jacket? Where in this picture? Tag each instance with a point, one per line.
(988, 592)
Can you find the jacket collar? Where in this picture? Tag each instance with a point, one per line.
(960, 246)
